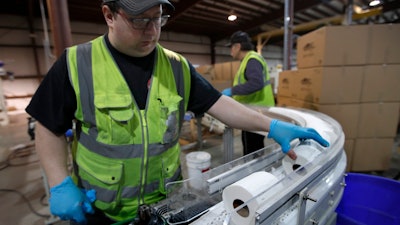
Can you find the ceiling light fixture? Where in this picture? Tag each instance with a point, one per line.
(232, 16)
(374, 3)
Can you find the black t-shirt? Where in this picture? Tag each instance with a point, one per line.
(54, 102)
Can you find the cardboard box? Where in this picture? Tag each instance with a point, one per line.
(205, 69)
(381, 83)
(372, 154)
(347, 115)
(349, 150)
(333, 46)
(220, 85)
(384, 47)
(330, 85)
(378, 119)
(226, 70)
(365, 120)
(288, 80)
(219, 73)
(284, 101)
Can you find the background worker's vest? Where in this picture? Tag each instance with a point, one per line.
(126, 154)
(262, 97)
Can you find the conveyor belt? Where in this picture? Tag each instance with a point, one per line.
(304, 194)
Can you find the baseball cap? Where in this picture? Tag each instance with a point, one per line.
(137, 7)
(239, 37)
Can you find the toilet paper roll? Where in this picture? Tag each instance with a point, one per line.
(305, 154)
(245, 189)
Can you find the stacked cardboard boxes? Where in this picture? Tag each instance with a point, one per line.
(220, 75)
(351, 73)
(207, 71)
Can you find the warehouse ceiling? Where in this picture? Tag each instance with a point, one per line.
(209, 17)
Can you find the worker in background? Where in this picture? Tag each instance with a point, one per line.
(251, 84)
(128, 95)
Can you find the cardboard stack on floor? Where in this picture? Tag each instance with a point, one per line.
(351, 73)
(220, 75)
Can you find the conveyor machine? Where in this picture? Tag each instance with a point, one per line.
(267, 187)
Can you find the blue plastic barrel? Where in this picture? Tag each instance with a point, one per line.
(369, 200)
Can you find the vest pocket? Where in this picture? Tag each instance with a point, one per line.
(169, 167)
(103, 175)
(169, 118)
(113, 118)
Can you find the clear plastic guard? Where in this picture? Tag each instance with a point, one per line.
(285, 180)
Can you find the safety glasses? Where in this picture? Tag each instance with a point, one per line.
(142, 23)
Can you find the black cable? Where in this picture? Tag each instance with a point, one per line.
(27, 201)
(21, 152)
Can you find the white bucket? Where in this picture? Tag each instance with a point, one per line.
(197, 163)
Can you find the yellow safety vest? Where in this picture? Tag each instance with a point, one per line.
(126, 154)
(263, 97)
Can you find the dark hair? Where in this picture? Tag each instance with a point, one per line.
(114, 7)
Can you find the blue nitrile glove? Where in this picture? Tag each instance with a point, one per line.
(283, 133)
(227, 92)
(68, 202)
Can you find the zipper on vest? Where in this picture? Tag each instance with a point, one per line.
(145, 155)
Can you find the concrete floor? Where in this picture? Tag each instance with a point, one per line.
(22, 191)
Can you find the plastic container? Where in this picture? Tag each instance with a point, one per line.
(197, 163)
(369, 200)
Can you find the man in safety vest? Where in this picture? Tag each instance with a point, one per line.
(126, 96)
(251, 85)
